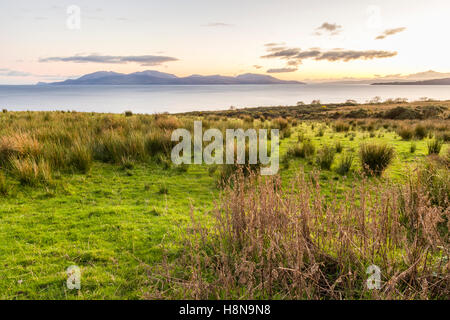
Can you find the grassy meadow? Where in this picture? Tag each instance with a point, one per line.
(358, 185)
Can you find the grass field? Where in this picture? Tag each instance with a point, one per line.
(117, 218)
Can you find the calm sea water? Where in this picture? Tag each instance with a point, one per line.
(152, 99)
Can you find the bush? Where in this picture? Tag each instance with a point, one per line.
(413, 147)
(434, 146)
(345, 164)
(325, 157)
(375, 158)
(128, 113)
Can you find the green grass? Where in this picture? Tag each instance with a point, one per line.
(108, 223)
(113, 221)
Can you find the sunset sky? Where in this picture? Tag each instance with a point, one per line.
(300, 40)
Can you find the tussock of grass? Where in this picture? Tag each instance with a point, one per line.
(31, 172)
(325, 157)
(434, 146)
(345, 164)
(375, 158)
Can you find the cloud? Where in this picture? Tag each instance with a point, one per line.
(348, 55)
(14, 73)
(257, 66)
(281, 70)
(145, 60)
(330, 28)
(390, 32)
(295, 56)
(274, 44)
(283, 53)
(218, 24)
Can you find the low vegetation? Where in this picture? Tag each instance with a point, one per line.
(294, 244)
(100, 191)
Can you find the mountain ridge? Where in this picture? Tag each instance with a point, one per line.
(152, 77)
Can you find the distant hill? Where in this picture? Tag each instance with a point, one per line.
(434, 82)
(151, 77)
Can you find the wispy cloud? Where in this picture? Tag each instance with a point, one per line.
(257, 66)
(329, 28)
(390, 32)
(145, 60)
(14, 73)
(274, 44)
(218, 24)
(281, 70)
(295, 56)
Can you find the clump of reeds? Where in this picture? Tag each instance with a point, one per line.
(341, 126)
(302, 150)
(375, 158)
(434, 146)
(30, 171)
(405, 132)
(345, 164)
(325, 157)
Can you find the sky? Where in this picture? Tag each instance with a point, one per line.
(51, 40)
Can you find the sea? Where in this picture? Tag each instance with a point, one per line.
(184, 98)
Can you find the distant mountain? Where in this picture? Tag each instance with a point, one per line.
(152, 77)
(434, 82)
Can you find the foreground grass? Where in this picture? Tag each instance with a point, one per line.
(113, 222)
(107, 223)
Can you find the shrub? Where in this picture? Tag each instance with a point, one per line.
(434, 146)
(128, 113)
(345, 164)
(325, 157)
(375, 158)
